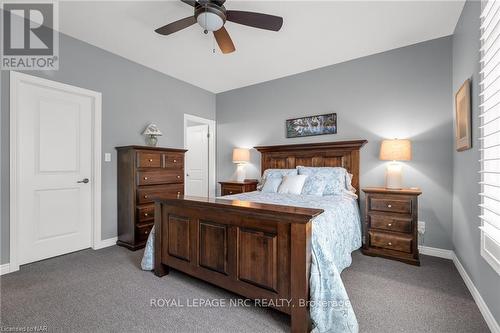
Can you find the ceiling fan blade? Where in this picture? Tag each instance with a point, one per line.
(224, 40)
(256, 20)
(190, 2)
(176, 26)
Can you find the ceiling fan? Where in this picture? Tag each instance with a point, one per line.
(211, 15)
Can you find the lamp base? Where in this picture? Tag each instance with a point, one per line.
(151, 140)
(240, 172)
(393, 177)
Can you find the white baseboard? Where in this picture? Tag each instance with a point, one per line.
(105, 243)
(483, 308)
(4, 269)
(435, 252)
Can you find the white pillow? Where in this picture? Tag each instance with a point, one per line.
(292, 184)
(275, 173)
(271, 185)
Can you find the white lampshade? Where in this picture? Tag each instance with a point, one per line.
(152, 129)
(395, 150)
(241, 155)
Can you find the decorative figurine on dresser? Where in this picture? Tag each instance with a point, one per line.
(391, 224)
(144, 172)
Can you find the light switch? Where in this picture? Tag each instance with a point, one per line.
(107, 157)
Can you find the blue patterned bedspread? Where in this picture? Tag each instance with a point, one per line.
(336, 233)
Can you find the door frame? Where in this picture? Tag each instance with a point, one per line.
(212, 129)
(17, 78)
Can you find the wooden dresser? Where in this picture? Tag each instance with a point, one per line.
(234, 187)
(391, 224)
(144, 172)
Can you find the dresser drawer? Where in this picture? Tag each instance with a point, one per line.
(389, 222)
(142, 232)
(145, 213)
(145, 194)
(397, 242)
(174, 160)
(390, 204)
(160, 177)
(148, 160)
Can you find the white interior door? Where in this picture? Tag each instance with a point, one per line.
(197, 161)
(54, 154)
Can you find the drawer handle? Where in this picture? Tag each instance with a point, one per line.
(175, 161)
(390, 244)
(389, 225)
(150, 160)
(389, 206)
(230, 192)
(145, 232)
(145, 197)
(145, 178)
(146, 214)
(178, 177)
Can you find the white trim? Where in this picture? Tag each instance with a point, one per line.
(4, 269)
(488, 132)
(483, 308)
(96, 184)
(15, 79)
(436, 252)
(105, 243)
(489, 257)
(212, 185)
(13, 266)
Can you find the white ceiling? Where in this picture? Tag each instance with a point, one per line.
(314, 34)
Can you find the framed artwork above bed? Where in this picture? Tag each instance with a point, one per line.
(311, 125)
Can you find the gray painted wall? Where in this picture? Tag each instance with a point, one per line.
(132, 96)
(466, 237)
(403, 93)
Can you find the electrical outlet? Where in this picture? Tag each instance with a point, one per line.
(421, 227)
(107, 157)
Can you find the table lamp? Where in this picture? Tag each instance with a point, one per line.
(152, 132)
(241, 156)
(394, 150)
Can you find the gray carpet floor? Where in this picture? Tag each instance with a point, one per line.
(97, 291)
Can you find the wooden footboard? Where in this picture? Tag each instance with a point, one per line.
(241, 246)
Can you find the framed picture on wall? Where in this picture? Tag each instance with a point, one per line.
(463, 134)
(312, 125)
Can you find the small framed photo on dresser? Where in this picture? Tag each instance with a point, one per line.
(463, 134)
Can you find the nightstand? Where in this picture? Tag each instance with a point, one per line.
(391, 221)
(234, 187)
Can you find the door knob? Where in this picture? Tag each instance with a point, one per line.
(84, 180)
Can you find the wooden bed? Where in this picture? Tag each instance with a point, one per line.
(259, 251)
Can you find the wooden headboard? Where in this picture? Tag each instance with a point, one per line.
(325, 154)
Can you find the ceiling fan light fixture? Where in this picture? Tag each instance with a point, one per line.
(210, 21)
(211, 15)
